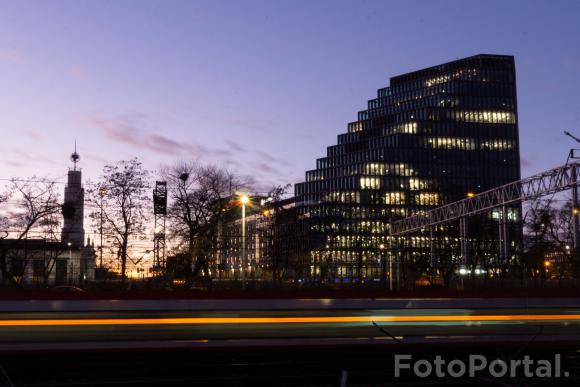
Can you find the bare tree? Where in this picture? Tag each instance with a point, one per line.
(123, 198)
(562, 234)
(275, 232)
(52, 226)
(198, 194)
(4, 233)
(36, 201)
(4, 222)
(538, 221)
(548, 231)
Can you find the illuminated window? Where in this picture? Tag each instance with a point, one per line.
(375, 169)
(356, 126)
(465, 74)
(437, 80)
(342, 197)
(451, 143)
(497, 144)
(406, 127)
(370, 183)
(427, 199)
(512, 215)
(403, 170)
(493, 117)
(395, 198)
(417, 184)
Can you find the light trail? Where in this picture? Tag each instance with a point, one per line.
(286, 320)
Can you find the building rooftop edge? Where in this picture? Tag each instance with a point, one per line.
(412, 74)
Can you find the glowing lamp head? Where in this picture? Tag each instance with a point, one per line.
(266, 213)
(470, 194)
(546, 263)
(244, 199)
(575, 210)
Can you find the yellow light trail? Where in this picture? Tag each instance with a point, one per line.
(286, 320)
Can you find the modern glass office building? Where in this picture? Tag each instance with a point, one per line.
(431, 137)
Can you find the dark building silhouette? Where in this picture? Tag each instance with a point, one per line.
(73, 210)
(432, 137)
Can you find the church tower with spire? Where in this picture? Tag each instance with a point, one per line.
(73, 231)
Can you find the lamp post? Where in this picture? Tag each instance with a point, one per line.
(391, 272)
(102, 192)
(384, 267)
(70, 259)
(244, 199)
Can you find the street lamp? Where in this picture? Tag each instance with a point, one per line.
(382, 247)
(244, 199)
(546, 268)
(383, 262)
(70, 258)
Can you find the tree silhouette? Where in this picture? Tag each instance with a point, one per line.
(125, 206)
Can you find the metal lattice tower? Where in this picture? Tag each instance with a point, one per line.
(160, 213)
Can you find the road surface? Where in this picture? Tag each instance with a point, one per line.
(251, 343)
(156, 329)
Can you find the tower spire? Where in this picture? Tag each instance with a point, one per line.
(75, 157)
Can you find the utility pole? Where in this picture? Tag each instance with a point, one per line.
(102, 192)
(384, 267)
(244, 199)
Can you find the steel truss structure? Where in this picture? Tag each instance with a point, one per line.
(545, 183)
(549, 182)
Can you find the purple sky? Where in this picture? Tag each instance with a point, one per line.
(261, 87)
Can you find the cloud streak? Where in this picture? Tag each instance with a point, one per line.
(254, 125)
(235, 146)
(271, 159)
(137, 131)
(129, 131)
(11, 56)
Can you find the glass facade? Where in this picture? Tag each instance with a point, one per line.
(429, 138)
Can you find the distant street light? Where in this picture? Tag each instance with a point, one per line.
(70, 258)
(244, 199)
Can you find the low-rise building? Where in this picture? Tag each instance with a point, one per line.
(273, 243)
(43, 262)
